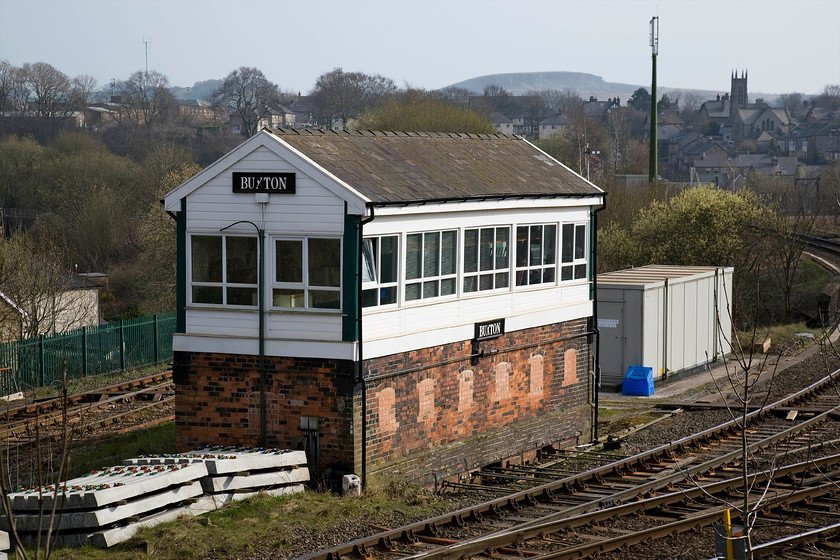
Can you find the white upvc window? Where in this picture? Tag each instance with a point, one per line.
(307, 273)
(223, 270)
(431, 264)
(486, 258)
(573, 256)
(536, 254)
(380, 270)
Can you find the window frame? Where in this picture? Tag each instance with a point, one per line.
(377, 285)
(304, 285)
(224, 284)
(495, 271)
(543, 267)
(580, 231)
(439, 278)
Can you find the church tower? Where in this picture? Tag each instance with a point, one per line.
(738, 93)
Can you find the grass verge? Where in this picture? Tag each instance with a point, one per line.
(273, 527)
(157, 440)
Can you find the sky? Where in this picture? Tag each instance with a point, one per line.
(784, 45)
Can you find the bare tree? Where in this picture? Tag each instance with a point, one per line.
(345, 95)
(147, 100)
(37, 295)
(9, 82)
(792, 102)
(561, 101)
(52, 95)
(788, 241)
(626, 153)
(741, 378)
(456, 96)
(247, 93)
(830, 97)
(51, 484)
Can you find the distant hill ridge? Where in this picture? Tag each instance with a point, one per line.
(586, 85)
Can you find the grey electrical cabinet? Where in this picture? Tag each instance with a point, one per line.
(673, 319)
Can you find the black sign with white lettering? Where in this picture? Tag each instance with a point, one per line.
(278, 183)
(489, 329)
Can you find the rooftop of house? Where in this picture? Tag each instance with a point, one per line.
(498, 118)
(401, 167)
(193, 103)
(556, 118)
(761, 163)
(817, 128)
(752, 114)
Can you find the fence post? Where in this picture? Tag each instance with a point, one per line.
(155, 334)
(122, 346)
(84, 353)
(41, 364)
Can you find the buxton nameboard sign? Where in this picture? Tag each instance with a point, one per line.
(489, 329)
(279, 183)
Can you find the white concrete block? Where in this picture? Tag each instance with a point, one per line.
(256, 481)
(351, 485)
(222, 460)
(95, 519)
(110, 485)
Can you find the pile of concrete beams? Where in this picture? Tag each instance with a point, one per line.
(109, 506)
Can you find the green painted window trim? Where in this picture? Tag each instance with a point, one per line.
(181, 269)
(350, 277)
(592, 234)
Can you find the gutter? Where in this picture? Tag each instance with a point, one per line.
(360, 377)
(480, 198)
(597, 361)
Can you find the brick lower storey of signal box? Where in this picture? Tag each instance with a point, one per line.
(428, 415)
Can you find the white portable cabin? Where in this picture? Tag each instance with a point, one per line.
(673, 319)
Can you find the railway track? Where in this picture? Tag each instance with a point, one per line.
(519, 522)
(831, 245)
(86, 411)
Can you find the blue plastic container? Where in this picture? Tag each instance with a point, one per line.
(638, 381)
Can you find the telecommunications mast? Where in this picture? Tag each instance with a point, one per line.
(146, 75)
(653, 175)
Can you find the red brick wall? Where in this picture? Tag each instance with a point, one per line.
(218, 402)
(431, 413)
(431, 423)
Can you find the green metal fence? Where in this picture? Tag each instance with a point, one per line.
(131, 343)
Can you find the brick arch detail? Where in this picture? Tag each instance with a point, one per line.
(466, 385)
(388, 422)
(536, 364)
(570, 367)
(502, 378)
(426, 400)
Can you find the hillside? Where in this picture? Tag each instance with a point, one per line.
(586, 85)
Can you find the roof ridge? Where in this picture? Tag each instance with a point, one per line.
(380, 133)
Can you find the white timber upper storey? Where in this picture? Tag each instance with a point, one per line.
(410, 239)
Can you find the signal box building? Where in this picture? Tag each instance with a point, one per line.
(397, 304)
